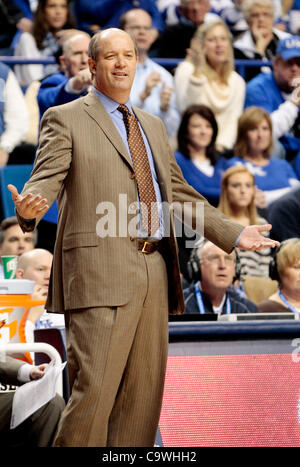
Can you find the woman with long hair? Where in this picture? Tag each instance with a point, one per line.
(237, 201)
(51, 17)
(207, 77)
(197, 156)
(253, 148)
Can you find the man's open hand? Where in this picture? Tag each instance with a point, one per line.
(29, 206)
(251, 239)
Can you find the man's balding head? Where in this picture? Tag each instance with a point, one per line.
(35, 265)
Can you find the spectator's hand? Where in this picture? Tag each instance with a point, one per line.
(251, 239)
(82, 80)
(38, 372)
(29, 206)
(262, 38)
(193, 54)
(25, 24)
(152, 80)
(40, 292)
(3, 158)
(260, 199)
(165, 97)
(296, 91)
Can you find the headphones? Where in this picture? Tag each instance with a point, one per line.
(273, 270)
(194, 265)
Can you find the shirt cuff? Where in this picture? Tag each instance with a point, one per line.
(24, 373)
(238, 239)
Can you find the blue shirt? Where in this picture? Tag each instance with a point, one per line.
(111, 108)
(273, 176)
(207, 186)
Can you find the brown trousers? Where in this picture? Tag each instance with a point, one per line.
(117, 360)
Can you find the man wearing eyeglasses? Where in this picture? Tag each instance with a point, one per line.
(213, 272)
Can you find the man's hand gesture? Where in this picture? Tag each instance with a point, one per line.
(29, 206)
(251, 239)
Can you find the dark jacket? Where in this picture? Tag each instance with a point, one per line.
(238, 303)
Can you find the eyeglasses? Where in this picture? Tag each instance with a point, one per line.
(260, 15)
(215, 259)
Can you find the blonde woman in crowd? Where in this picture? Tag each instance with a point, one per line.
(207, 77)
(237, 201)
(259, 42)
(253, 148)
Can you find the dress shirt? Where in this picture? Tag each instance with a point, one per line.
(151, 104)
(111, 108)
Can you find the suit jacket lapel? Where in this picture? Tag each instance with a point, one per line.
(96, 110)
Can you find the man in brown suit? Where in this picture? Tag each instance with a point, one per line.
(115, 290)
(40, 428)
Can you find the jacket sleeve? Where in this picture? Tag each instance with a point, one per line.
(9, 370)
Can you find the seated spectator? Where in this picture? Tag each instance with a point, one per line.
(102, 14)
(175, 39)
(259, 42)
(14, 120)
(13, 242)
(279, 94)
(197, 156)
(285, 268)
(35, 265)
(237, 202)
(12, 19)
(74, 78)
(253, 147)
(51, 16)
(207, 77)
(40, 428)
(283, 214)
(153, 86)
(213, 271)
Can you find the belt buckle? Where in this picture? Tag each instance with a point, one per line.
(144, 250)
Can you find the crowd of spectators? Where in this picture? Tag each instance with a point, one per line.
(235, 134)
(218, 118)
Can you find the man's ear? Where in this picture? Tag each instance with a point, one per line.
(62, 62)
(92, 66)
(20, 273)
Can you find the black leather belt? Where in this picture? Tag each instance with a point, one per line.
(148, 247)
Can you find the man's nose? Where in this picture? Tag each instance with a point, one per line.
(221, 262)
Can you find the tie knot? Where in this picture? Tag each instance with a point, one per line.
(124, 110)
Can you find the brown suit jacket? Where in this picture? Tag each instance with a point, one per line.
(83, 161)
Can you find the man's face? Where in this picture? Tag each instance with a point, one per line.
(285, 72)
(195, 10)
(16, 242)
(39, 268)
(76, 56)
(139, 25)
(115, 67)
(217, 268)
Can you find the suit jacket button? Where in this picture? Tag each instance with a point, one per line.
(132, 175)
(132, 239)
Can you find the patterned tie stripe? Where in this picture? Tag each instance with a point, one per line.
(149, 210)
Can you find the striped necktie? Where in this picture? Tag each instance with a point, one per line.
(148, 201)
